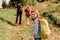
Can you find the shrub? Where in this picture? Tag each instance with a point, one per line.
(55, 17)
(55, 1)
(4, 4)
(29, 2)
(24, 2)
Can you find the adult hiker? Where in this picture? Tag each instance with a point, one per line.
(28, 13)
(19, 13)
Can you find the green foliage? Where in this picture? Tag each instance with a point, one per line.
(52, 12)
(23, 2)
(54, 17)
(4, 4)
(55, 1)
(34, 2)
(29, 2)
(7, 30)
(58, 8)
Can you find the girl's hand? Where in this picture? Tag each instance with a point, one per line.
(32, 37)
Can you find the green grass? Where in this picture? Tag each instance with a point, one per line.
(7, 28)
(10, 32)
(5, 15)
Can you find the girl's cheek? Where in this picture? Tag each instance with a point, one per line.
(33, 17)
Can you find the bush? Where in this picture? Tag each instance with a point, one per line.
(45, 14)
(4, 4)
(55, 17)
(29, 2)
(55, 1)
(58, 7)
(23, 2)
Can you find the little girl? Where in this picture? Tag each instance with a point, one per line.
(36, 29)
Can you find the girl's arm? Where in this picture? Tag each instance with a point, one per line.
(32, 37)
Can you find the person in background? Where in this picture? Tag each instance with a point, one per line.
(36, 29)
(19, 13)
(28, 13)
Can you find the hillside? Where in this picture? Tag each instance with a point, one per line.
(8, 30)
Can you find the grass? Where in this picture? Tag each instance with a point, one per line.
(7, 29)
(4, 16)
(10, 32)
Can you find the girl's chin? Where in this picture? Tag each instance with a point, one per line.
(33, 18)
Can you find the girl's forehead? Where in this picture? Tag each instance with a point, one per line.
(34, 13)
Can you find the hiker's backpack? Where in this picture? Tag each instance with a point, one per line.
(27, 12)
(45, 31)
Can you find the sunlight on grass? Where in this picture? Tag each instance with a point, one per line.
(7, 30)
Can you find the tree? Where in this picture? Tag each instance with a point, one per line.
(23, 2)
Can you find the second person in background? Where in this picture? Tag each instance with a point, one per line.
(28, 13)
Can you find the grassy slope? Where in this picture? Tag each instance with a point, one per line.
(7, 29)
(10, 32)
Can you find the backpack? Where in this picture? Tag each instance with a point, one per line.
(45, 31)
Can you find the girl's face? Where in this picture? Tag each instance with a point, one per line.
(34, 15)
